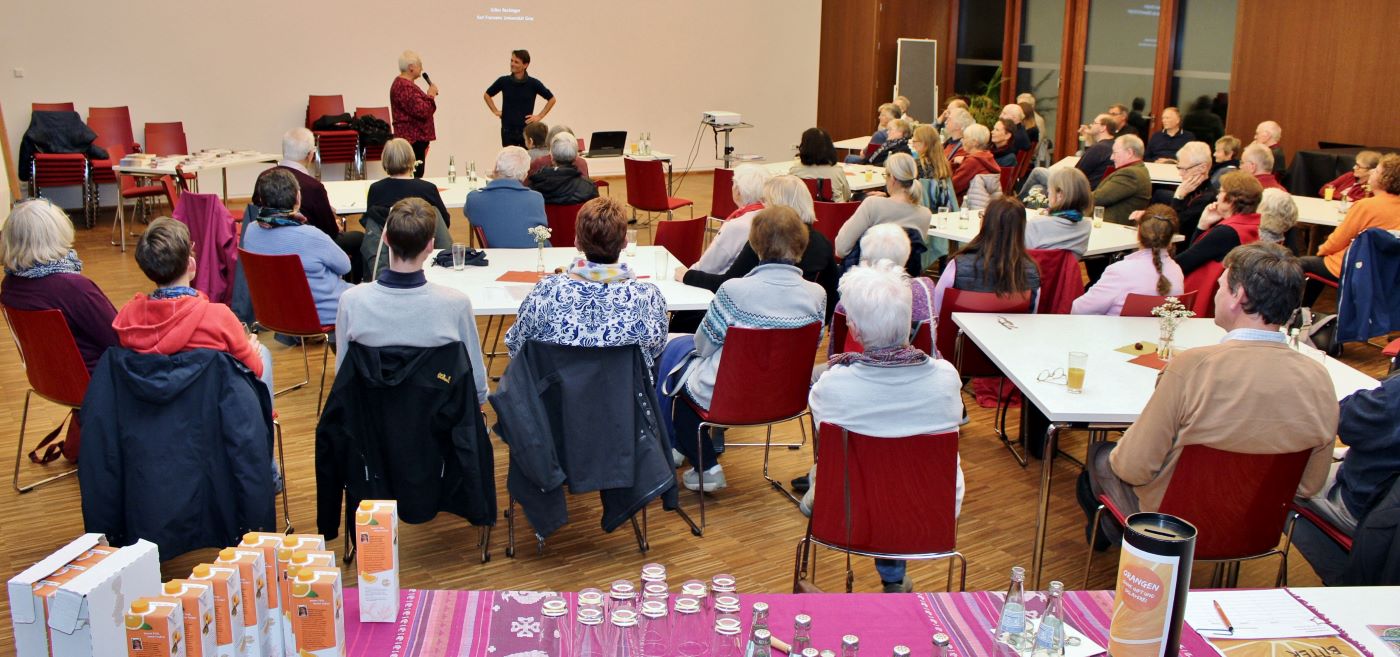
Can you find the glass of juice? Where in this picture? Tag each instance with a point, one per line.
(1075, 372)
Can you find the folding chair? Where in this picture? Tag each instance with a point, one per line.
(282, 303)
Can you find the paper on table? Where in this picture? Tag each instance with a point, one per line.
(1085, 647)
(1261, 614)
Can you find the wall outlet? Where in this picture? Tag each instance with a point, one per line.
(19, 72)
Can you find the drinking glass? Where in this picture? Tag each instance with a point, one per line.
(1074, 380)
(663, 266)
(963, 218)
(631, 241)
(1098, 217)
(459, 256)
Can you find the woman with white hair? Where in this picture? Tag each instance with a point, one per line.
(959, 120)
(413, 108)
(562, 183)
(890, 390)
(547, 159)
(749, 182)
(886, 243)
(1278, 213)
(42, 272)
(901, 205)
(978, 178)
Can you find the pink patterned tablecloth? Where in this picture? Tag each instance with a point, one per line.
(506, 623)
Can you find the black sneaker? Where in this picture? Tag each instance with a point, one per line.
(801, 484)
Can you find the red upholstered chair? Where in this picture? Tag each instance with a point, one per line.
(1008, 179)
(372, 153)
(832, 216)
(1141, 305)
(819, 188)
(684, 238)
(1296, 511)
(113, 128)
(1061, 282)
(1392, 351)
(562, 219)
(54, 367)
(869, 150)
(646, 189)
(65, 170)
(1024, 160)
(884, 497)
(1237, 502)
(282, 303)
(168, 138)
(52, 107)
(1204, 281)
(333, 146)
(966, 357)
(721, 201)
(845, 341)
(763, 379)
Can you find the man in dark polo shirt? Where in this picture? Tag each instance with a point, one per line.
(518, 91)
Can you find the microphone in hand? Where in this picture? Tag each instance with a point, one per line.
(426, 78)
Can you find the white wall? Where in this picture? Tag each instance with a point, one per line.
(238, 73)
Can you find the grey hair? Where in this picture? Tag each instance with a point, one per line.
(513, 162)
(959, 119)
(884, 242)
(564, 148)
(1273, 128)
(1278, 213)
(407, 59)
(791, 192)
(975, 135)
(297, 143)
(1133, 143)
(1194, 153)
(1260, 155)
(749, 181)
(555, 130)
(1016, 113)
(36, 231)
(878, 303)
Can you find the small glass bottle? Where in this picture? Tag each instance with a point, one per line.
(827, 653)
(1050, 637)
(726, 638)
(690, 633)
(850, 646)
(655, 629)
(588, 633)
(759, 619)
(471, 171)
(554, 613)
(623, 639)
(901, 651)
(940, 645)
(811, 652)
(762, 643)
(622, 595)
(1011, 623)
(801, 634)
(452, 168)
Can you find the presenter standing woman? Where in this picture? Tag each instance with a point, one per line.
(413, 108)
(518, 91)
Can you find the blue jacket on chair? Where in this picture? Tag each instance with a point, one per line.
(505, 210)
(1369, 302)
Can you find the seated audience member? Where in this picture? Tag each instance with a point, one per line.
(43, 272)
(1268, 134)
(176, 317)
(1226, 158)
(1031, 121)
(1382, 210)
(563, 183)
(1277, 216)
(887, 243)
(1149, 271)
(1201, 121)
(374, 314)
(749, 182)
(1259, 162)
(1129, 188)
(1369, 425)
(900, 205)
(298, 152)
(279, 229)
(1191, 197)
(902, 102)
(978, 178)
(772, 295)
(1094, 161)
(1164, 144)
(398, 163)
(505, 208)
(547, 159)
(891, 390)
(897, 141)
(1139, 121)
(995, 260)
(1119, 113)
(1290, 406)
(537, 141)
(1026, 98)
(599, 302)
(954, 102)
(1017, 116)
(816, 157)
(1229, 222)
(1003, 146)
(959, 119)
(1353, 185)
(1064, 227)
(885, 113)
(933, 166)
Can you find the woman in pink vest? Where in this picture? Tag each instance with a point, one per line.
(1226, 224)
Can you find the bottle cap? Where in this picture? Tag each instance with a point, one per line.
(172, 588)
(250, 537)
(1057, 588)
(201, 571)
(762, 635)
(285, 554)
(654, 609)
(292, 571)
(803, 621)
(941, 640)
(306, 575)
(809, 652)
(901, 651)
(760, 608)
(727, 626)
(850, 641)
(555, 607)
(590, 616)
(828, 653)
(366, 505)
(227, 554)
(140, 606)
(300, 556)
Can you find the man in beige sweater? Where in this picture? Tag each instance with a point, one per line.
(1251, 393)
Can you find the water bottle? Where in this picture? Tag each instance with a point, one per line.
(1011, 623)
(1050, 637)
(850, 646)
(762, 643)
(801, 634)
(451, 168)
(940, 645)
(471, 172)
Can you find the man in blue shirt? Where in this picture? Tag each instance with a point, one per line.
(505, 208)
(518, 91)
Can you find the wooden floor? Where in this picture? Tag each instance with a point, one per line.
(752, 530)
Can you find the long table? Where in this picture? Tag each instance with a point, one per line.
(1105, 239)
(1115, 390)
(860, 177)
(504, 623)
(174, 165)
(1161, 174)
(349, 196)
(493, 297)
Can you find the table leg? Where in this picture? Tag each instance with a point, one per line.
(1042, 520)
(670, 172)
(224, 171)
(121, 215)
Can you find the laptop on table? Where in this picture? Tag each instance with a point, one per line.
(607, 144)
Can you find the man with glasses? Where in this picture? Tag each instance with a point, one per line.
(1194, 194)
(1119, 113)
(1352, 184)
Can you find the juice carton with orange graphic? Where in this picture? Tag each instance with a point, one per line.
(87, 613)
(318, 612)
(197, 602)
(31, 590)
(271, 544)
(227, 586)
(155, 627)
(377, 560)
(258, 624)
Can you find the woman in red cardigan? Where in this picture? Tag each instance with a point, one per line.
(413, 108)
(1352, 184)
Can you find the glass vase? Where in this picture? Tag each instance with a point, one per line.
(539, 260)
(1165, 337)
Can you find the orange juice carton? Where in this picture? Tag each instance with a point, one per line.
(257, 622)
(31, 590)
(155, 627)
(318, 612)
(270, 544)
(197, 605)
(87, 613)
(227, 585)
(377, 560)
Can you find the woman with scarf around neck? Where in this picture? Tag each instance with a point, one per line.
(1064, 227)
(280, 230)
(891, 390)
(43, 272)
(772, 295)
(898, 142)
(599, 302)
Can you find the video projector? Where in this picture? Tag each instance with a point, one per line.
(719, 117)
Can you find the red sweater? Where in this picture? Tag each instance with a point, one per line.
(412, 110)
(972, 165)
(170, 326)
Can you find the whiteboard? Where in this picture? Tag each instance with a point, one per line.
(916, 76)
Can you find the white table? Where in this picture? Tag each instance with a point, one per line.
(349, 196)
(856, 176)
(1108, 238)
(856, 144)
(1313, 210)
(1161, 174)
(1352, 608)
(174, 165)
(1115, 391)
(492, 297)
